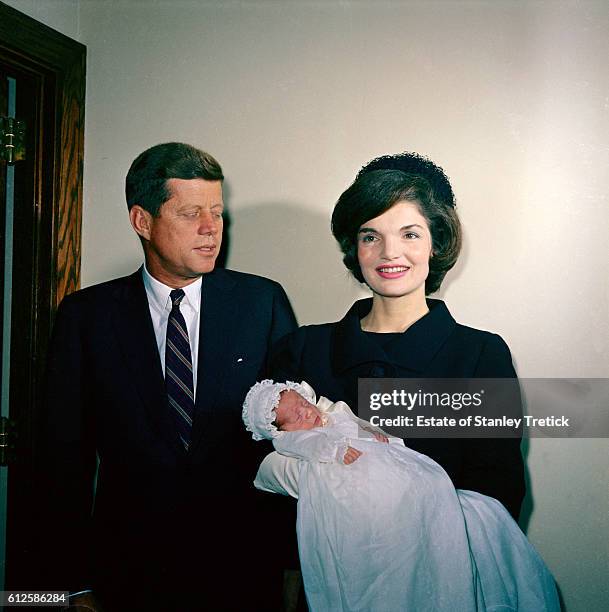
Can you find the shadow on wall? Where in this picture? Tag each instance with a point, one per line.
(455, 273)
(225, 246)
(294, 245)
(222, 259)
(528, 504)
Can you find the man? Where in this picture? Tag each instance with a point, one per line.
(146, 376)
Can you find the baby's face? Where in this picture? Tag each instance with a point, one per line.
(294, 412)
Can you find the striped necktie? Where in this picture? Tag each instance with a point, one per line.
(178, 369)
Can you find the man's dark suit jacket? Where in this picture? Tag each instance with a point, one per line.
(331, 357)
(164, 522)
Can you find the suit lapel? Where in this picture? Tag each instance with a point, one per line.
(136, 337)
(218, 324)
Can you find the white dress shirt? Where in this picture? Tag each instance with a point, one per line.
(159, 303)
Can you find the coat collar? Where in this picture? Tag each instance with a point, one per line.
(413, 350)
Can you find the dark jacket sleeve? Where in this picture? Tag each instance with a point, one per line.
(67, 461)
(494, 466)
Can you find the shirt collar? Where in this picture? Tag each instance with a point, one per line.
(158, 293)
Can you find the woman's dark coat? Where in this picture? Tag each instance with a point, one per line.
(332, 356)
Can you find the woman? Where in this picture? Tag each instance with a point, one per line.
(399, 233)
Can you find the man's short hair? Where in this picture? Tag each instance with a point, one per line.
(146, 182)
(390, 179)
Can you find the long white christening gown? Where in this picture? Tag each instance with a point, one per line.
(390, 533)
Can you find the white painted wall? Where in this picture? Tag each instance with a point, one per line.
(511, 98)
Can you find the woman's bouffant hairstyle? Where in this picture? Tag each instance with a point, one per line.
(395, 178)
(146, 183)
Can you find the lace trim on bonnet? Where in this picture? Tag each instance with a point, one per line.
(260, 402)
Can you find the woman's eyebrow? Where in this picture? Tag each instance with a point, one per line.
(371, 230)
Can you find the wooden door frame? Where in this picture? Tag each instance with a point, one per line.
(66, 59)
(51, 267)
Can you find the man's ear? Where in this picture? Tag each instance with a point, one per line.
(141, 221)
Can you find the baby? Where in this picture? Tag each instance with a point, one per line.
(278, 411)
(295, 413)
(390, 532)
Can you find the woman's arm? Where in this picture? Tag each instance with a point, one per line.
(279, 471)
(278, 474)
(494, 466)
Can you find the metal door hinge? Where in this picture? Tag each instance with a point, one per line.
(12, 140)
(8, 434)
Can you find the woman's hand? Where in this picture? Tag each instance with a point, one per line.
(351, 455)
(377, 436)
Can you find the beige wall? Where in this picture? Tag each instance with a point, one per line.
(511, 98)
